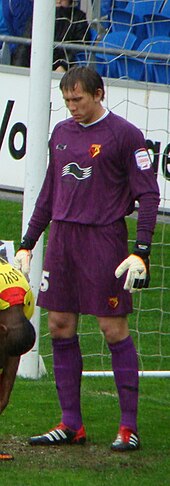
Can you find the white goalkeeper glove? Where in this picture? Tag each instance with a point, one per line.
(23, 256)
(137, 265)
(22, 261)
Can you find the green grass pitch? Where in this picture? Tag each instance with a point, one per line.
(34, 407)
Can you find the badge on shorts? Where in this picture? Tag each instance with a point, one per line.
(142, 159)
(113, 302)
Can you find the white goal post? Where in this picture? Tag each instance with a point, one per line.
(145, 105)
(32, 365)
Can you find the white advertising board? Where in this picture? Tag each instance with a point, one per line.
(146, 107)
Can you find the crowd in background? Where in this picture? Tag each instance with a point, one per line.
(71, 25)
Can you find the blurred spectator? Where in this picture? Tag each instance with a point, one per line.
(16, 14)
(70, 25)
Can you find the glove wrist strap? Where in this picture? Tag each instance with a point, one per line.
(142, 249)
(27, 243)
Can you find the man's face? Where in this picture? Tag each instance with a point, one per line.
(84, 107)
(62, 3)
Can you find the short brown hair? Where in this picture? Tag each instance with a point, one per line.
(88, 77)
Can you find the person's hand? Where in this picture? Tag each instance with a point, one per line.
(137, 267)
(22, 261)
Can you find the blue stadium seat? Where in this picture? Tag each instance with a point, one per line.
(119, 4)
(82, 57)
(136, 69)
(106, 64)
(105, 11)
(94, 34)
(141, 8)
(123, 20)
(162, 72)
(159, 44)
(145, 69)
(165, 9)
(157, 25)
(106, 6)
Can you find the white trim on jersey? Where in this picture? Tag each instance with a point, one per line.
(86, 125)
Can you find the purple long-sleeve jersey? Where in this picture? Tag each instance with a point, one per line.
(95, 175)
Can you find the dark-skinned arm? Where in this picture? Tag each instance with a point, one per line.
(7, 379)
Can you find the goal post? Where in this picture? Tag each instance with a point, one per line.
(31, 364)
(147, 106)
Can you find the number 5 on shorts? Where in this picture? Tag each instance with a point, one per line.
(44, 281)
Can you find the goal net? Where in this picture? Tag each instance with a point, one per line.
(131, 51)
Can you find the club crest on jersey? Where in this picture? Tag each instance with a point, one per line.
(143, 159)
(94, 149)
(113, 302)
(76, 171)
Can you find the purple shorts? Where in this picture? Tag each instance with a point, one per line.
(78, 272)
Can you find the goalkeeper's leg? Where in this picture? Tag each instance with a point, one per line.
(125, 368)
(67, 362)
(68, 371)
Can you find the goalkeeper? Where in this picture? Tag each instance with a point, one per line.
(99, 166)
(17, 334)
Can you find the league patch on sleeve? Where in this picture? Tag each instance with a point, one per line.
(142, 159)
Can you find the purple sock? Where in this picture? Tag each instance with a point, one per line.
(67, 371)
(125, 368)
